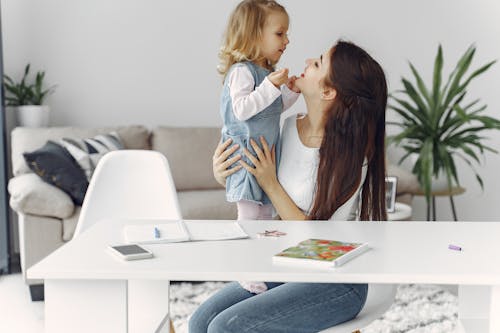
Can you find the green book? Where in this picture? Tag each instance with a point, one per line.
(320, 253)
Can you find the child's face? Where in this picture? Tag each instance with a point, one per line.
(274, 37)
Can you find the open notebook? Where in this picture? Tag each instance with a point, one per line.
(171, 231)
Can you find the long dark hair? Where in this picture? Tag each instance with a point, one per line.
(354, 134)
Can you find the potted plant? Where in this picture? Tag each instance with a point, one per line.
(27, 98)
(438, 124)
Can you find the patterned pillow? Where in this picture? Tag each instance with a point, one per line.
(56, 166)
(87, 152)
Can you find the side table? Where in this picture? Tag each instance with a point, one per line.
(402, 212)
(456, 190)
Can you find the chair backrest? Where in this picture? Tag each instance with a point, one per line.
(130, 184)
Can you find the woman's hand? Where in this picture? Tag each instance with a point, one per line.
(221, 163)
(265, 164)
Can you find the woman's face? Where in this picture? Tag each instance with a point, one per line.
(311, 82)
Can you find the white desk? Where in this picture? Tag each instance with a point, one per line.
(87, 290)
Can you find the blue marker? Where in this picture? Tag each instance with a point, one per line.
(157, 233)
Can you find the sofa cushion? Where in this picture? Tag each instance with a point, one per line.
(189, 152)
(29, 194)
(28, 139)
(54, 164)
(88, 152)
(206, 205)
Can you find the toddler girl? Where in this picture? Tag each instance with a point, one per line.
(254, 95)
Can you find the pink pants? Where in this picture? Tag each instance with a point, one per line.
(248, 210)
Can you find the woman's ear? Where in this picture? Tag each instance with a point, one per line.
(328, 94)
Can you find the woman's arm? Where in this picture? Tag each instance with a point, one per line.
(265, 173)
(221, 163)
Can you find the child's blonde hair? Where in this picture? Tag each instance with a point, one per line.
(244, 31)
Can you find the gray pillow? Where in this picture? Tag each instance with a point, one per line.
(55, 165)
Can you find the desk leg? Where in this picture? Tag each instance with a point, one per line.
(478, 308)
(82, 306)
(495, 309)
(148, 306)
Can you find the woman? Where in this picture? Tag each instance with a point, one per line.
(330, 158)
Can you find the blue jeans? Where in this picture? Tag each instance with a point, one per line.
(284, 307)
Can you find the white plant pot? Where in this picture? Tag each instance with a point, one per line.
(439, 183)
(33, 115)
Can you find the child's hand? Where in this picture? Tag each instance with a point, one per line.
(291, 84)
(279, 77)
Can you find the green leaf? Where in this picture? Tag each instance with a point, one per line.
(462, 66)
(414, 95)
(478, 72)
(436, 81)
(426, 166)
(469, 152)
(403, 113)
(480, 181)
(24, 92)
(421, 86)
(411, 111)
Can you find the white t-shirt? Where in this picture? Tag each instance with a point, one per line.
(298, 170)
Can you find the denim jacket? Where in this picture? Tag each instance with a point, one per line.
(242, 185)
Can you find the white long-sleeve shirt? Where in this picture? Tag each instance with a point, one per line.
(248, 100)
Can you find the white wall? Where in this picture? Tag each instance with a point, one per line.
(153, 61)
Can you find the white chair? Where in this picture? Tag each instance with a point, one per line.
(130, 184)
(380, 297)
(134, 184)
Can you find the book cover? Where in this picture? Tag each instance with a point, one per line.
(320, 253)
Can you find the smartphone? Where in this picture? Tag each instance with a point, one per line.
(130, 252)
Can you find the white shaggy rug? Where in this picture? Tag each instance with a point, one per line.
(416, 309)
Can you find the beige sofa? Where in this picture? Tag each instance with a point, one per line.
(47, 216)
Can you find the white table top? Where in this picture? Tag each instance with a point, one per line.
(401, 252)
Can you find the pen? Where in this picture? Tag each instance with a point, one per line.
(454, 247)
(157, 232)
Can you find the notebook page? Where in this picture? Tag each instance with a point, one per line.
(168, 231)
(214, 230)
